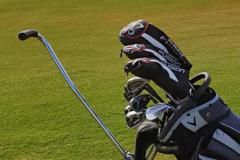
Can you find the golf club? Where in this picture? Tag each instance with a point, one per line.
(136, 85)
(33, 33)
(157, 111)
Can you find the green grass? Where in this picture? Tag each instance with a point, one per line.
(39, 116)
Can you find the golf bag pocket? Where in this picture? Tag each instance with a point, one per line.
(142, 32)
(225, 141)
(192, 118)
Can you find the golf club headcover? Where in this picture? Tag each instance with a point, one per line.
(134, 51)
(173, 79)
(142, 32)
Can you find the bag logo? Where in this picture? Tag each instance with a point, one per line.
(194, 122)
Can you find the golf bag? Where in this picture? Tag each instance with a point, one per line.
(225, 140)
(202, 127)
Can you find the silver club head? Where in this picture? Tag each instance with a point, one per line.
(135, 85)
(157, 111)
(140, 102)
(134, 118)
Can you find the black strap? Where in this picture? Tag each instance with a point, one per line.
(196, 152)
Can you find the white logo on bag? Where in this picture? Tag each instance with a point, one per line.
(193, 121)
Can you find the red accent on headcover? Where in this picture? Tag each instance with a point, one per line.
(136, 36)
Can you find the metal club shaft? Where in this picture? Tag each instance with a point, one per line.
(32, 33)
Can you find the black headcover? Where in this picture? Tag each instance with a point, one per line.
(155, 57)
(134, 51)
(142, 32)
(173, 79)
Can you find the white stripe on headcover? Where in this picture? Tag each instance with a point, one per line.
(226, 140)
(170, 73)
(201, 157)
(154, 42)
(156, 54)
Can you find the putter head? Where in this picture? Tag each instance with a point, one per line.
(157, 111)
(134, 86)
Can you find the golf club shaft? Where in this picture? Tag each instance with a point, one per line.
(153, 93)
(152, 153)
(32, 33)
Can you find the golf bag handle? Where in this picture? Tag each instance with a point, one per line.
(203, 87)
(27, 34)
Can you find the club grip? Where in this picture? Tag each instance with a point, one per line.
(27, 34)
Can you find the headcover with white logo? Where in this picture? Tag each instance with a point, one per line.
(142, 32)
(173, 80)
(155, 56)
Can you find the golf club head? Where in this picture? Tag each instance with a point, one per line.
(157, 111)
(135, 111)
(134, 118)
(127, 109)
(134, 86)
(140, 102)
(130, 156)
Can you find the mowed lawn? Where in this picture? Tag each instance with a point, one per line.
(41, 119)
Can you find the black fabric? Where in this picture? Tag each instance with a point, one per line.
(223, 151)
(231, 126)
(146, 136)
(138, 32)
(148, 51)
(213, 113)
(173, 80)
(186, 105)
